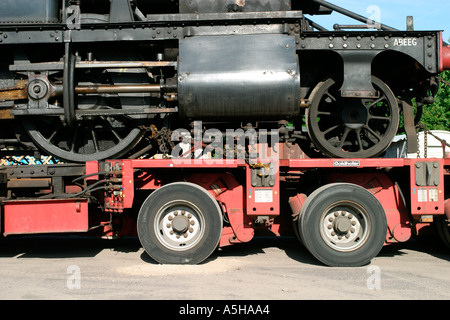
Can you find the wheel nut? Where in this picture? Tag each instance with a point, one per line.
(189, 216)
(352, 230)
(353, 223)
(330, 219)
(170, 218)
(350, 216)
(168, 225)
(185, 235)
(175, 213)
(329, 226)
(191, 230)
(183, 212)
(192, 222)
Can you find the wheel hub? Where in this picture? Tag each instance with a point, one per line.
(343, 229)
(180, 224)
(354, 116)
(180, 227)
(342, 225)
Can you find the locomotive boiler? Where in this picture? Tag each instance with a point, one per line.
(95, 79)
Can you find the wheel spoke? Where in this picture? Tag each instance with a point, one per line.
(52, 136)
(387, 118)
(94, 137)
(383, 97)
(373, 133)
(330, 96)
(113, 131)
(324, 113)
(331, 129)
(358, 138)
(74, 139)
(344, 137)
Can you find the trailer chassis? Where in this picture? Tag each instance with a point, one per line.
(342, 210)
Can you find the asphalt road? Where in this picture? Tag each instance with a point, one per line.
(73, 268)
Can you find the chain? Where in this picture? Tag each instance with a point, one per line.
(446, 83)
(162, 137)
(425, 140)
(418, 142)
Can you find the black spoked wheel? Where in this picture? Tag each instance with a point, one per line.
(104, 130)
(180, 223)
(352, 127)
(94, 139)
(343, 225)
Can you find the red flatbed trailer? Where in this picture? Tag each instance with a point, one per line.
(342, 210)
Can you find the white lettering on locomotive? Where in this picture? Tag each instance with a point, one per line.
(405, 42)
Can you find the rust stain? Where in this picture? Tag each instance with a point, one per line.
(18, 92)
(5, 114)
(240, 3)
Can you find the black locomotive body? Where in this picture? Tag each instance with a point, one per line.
(94, 79)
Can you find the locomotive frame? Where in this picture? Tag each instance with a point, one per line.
(91, 80)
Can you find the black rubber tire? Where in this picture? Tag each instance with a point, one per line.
(443, 230)
(348, 198)
(192, 198)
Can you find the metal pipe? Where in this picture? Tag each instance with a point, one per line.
(316, 25)
(9, 141)
(352, 14)
(143, 88)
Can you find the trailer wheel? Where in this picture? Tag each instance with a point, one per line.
(343, 225)
(180, 223)
(443, 228)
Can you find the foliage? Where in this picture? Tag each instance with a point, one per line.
(437, 115)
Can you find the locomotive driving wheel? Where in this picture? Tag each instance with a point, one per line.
(91, 139)
(352, 127)
(104, 133)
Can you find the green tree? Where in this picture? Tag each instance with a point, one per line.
(437, 115)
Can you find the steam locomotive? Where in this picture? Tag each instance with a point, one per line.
(95, 79)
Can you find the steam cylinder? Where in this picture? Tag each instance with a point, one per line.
(246, 77)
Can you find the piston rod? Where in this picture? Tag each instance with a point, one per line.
(98, 89)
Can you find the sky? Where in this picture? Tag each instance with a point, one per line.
(428, 14)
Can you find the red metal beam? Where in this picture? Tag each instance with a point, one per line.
(45, 216)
